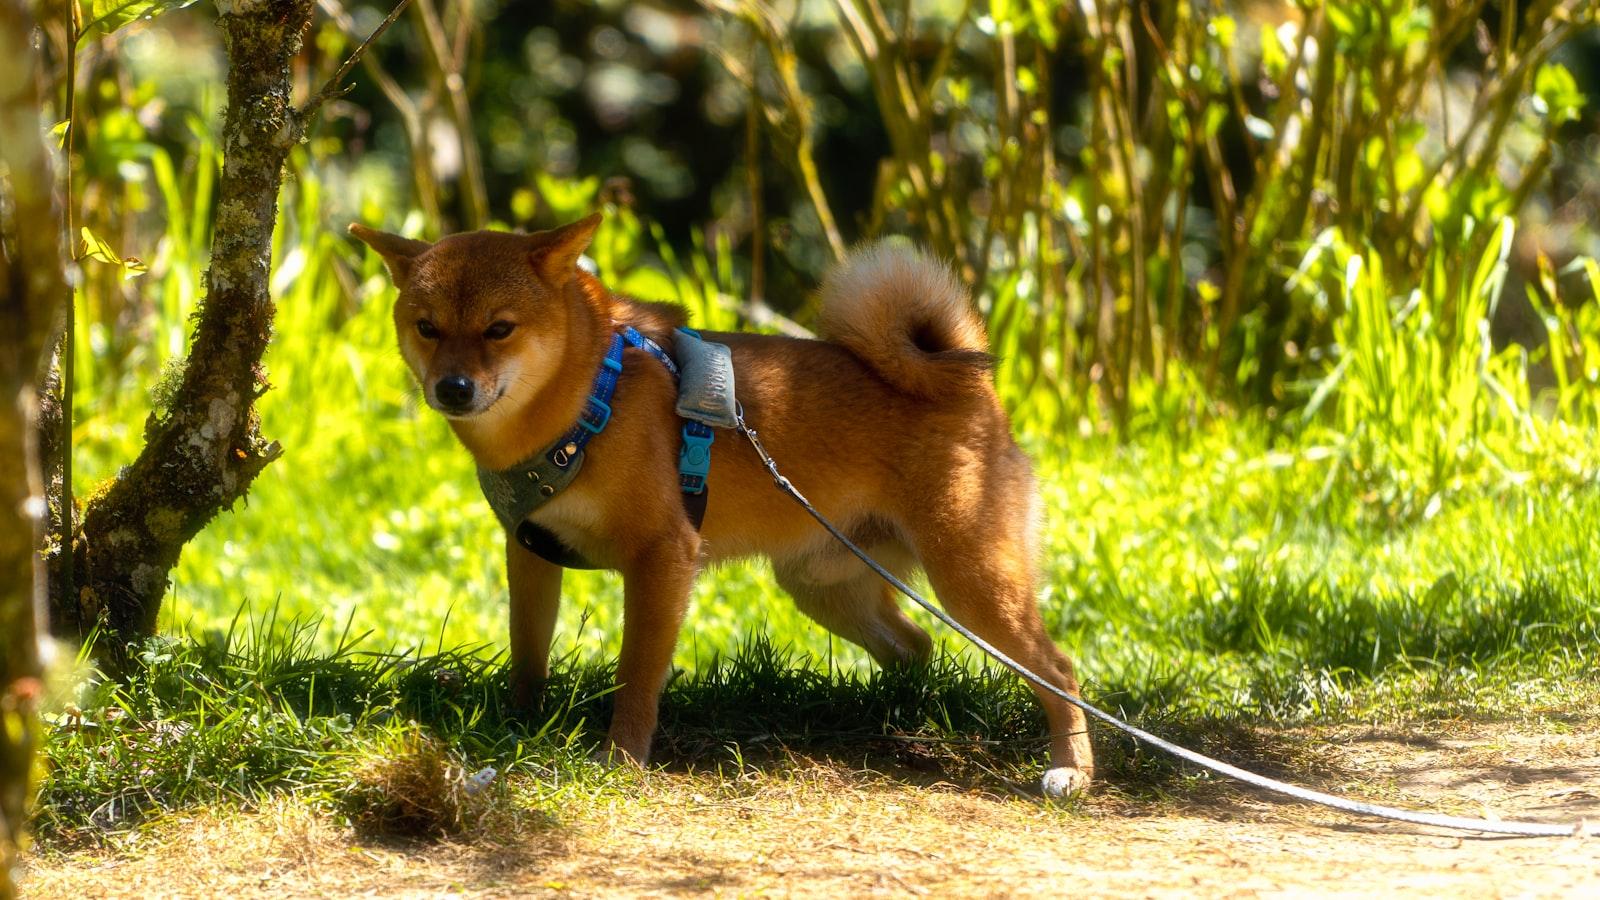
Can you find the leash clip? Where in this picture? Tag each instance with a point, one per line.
(771, 464)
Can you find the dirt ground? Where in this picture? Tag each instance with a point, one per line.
(825, 832)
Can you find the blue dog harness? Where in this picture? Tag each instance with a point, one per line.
(705, 398)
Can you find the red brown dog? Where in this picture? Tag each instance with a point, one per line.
(890, 424)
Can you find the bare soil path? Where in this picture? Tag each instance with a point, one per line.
(819, 831)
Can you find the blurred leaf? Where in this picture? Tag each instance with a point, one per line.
(1488, 200)
(1111, 60)
(960, 90)
(569, 199)
(1441, 207)
(1556, 94)
(1223, 28)
(1340, 17)
(1408, 171)
(524, 204)
(94, 247)
(648, 283)
(1273, 58)
(1353, 22)
(1372, 152)
(1043, 21)
(1027, 82)
(109, 15)
(1412, 28)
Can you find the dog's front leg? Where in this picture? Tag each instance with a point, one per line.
(535, 600)
(655, 595)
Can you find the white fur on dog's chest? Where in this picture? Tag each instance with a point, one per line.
(575, 516)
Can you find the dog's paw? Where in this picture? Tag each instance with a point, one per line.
(1066, 781)
(614, 757)
(526, 696)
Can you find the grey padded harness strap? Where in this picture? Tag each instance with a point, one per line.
(516, 492)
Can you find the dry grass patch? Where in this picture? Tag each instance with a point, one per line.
(801, 827)
(413, 785)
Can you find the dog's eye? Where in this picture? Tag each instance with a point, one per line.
(498, 331)
(427, 329)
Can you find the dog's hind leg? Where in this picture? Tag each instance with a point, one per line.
(981, 567)
(853, 603)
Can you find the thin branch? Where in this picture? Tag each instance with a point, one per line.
(794, 114)
(758, 208)
(425, 182)
(947, 52)
(1498, 94)
(449, 83)
(463, 37)
(332, 90)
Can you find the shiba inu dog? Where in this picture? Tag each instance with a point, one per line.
(889, 423)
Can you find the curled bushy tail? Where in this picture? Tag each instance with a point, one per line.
(906, 316)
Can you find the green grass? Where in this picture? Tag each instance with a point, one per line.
(263, 710)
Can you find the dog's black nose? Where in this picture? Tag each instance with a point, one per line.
(454, 391)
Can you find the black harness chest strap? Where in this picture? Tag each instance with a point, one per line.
(544, 544)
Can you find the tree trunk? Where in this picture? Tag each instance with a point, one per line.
(202, 453)
(32, 287)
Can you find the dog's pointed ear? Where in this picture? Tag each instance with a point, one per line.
(397, 252)
(555, 253)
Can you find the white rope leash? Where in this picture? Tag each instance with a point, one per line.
(1461, 823)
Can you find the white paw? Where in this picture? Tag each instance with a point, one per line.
(1065, 781)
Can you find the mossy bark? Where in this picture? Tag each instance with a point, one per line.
(32, 288)
(203, 452)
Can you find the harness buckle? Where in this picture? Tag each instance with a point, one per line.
(596, 414)
(694, 457)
